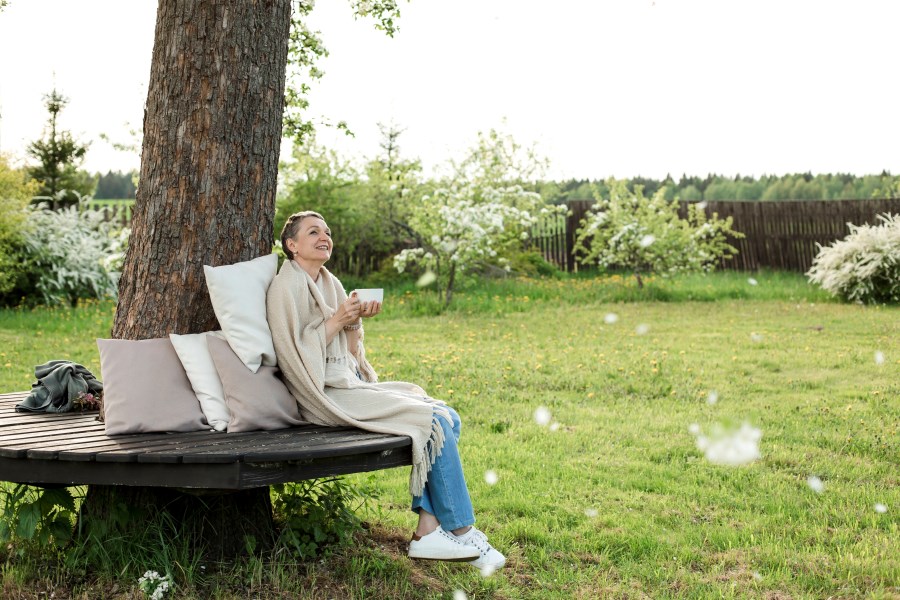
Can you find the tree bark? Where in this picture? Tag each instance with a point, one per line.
(209, 167)
(219, 524)
(209, 162)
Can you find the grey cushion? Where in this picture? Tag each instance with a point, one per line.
(256, 400)
(146, 388)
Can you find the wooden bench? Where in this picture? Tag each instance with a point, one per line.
(72, 449)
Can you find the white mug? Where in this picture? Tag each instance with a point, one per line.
(370, 294)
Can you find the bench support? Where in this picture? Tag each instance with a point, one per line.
(216, 523)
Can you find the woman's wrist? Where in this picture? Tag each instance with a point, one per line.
(353, 326)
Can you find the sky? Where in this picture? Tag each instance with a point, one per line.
(601, 88)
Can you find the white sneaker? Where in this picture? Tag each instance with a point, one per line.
(489, 558)
(440, 545)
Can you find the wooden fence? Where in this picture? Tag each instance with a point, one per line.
(118, 211)
(779, 235)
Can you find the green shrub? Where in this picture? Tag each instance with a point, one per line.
(316, 513)
(73, 253)
(15, 192)
(864, 266)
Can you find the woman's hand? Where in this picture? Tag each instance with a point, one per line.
(346, 315)
(370, 309)
(349, 311)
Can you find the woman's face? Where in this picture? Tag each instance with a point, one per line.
(312, 244)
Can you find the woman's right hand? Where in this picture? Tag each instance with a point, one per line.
(348, 311)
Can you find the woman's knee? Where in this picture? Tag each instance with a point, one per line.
(456, 422)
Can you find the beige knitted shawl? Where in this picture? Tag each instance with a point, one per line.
(323, 378)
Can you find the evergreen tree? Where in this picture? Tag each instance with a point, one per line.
(59, 155)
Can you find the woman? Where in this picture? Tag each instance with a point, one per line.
(317, 331)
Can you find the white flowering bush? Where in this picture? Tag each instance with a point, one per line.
(155, 586)
(460, 234)
(647, 236)
(74, 253)
(864, 266)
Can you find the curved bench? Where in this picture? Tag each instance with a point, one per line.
(73, 449)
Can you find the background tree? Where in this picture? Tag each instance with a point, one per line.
(628, 230)
(59, 157)
(478, 219)
(392, 179)
(115, 185)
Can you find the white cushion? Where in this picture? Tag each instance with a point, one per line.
(238, 294)
(193, 352)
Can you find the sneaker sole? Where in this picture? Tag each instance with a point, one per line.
(461, 559)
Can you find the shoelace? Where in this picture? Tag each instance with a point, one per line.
(479, 540)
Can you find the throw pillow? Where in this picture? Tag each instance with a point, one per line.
(256, 400)
(201, 371)
(238, 294)
(146, 389)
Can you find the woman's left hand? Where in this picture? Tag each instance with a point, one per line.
(370, 309)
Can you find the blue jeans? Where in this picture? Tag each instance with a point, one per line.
(446, 495)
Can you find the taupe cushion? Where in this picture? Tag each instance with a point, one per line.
(256, 400)
(146, 389)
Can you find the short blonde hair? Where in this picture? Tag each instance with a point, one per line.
(292, 225)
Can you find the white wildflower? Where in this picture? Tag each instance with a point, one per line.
(642, 329)
(713, 397)
(611, 318)
(880, 508)
(752, 281)
(542, 416)
(491, 477)
(647, 240)
(879, 358)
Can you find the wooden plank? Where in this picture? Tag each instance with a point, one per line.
(134, 445)
(235, 449)
(76, 429)
(256, 475)
(129, 453)
(303, 447)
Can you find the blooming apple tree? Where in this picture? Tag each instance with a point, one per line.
(464, 230)
(647, 236)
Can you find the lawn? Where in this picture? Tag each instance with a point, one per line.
(611, 498)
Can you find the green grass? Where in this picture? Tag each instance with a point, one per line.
(667, 522)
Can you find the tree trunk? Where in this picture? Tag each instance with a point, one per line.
(218, 523)
(209, 162)
(209, 167)
(450, 281)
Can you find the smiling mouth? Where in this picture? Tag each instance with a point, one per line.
(322, 248)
